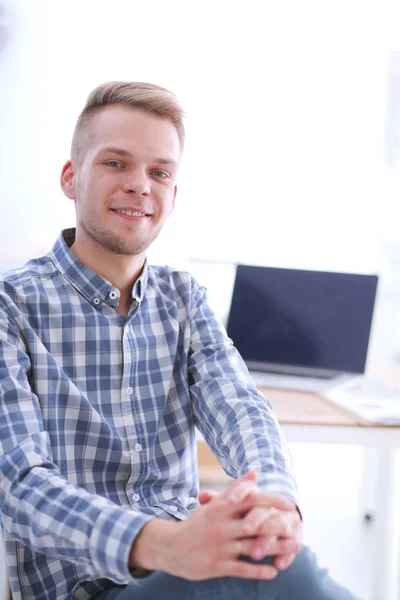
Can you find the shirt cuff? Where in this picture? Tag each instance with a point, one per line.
(111, 541)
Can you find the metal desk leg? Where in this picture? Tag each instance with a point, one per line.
(380, 499)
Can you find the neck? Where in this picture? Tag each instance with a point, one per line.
(120, 269)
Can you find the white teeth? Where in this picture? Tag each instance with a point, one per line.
(131, 213)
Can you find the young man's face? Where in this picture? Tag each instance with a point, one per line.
(124, 184)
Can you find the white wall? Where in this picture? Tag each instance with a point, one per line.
(286, 116)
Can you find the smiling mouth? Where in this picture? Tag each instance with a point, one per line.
(130, 213)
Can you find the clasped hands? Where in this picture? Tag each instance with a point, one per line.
(240, 521)
(270, 523)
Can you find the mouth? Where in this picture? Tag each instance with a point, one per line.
(130, 214)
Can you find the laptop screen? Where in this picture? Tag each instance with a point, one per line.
(302, 318)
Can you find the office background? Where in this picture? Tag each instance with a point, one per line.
(292, 159)
(293, 128)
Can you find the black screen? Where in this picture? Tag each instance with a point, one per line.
(302, 318)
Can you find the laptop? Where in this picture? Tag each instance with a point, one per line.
(301, 330)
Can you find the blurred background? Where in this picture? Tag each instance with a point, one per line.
(292, 159)
(293, 130)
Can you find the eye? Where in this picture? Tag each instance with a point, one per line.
(161, 174)
(114, 164)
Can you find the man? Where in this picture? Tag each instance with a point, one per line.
(106, 366)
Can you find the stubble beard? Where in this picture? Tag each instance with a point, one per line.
(112, 242)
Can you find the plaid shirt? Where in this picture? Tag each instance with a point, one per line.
(98, 416)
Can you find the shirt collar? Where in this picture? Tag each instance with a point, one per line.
(90, 284)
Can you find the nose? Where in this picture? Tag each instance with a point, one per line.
(137, 183)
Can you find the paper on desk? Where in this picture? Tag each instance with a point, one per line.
(378, 406)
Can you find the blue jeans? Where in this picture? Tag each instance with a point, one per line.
(303, 580)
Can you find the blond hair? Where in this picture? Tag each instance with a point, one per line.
(146, 96)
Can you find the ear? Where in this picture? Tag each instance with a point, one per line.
(67, 180)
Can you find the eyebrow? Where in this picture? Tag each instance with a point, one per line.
(122, 152)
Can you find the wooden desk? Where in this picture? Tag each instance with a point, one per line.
(309, 418)
(302, 410)
(305, 408)
(298, 411)
(291, 408)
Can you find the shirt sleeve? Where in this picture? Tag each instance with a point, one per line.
(237, 422)
(38, 506)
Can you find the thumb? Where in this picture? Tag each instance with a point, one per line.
(206, 496)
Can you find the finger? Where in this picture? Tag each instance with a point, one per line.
(225, 528)
(282, 524)
(283, 562)
(276, 522)
(260, 548)
(255, 518)
(281, 502)
(222, 521)
(247, 570)
(206, 496)
(263, 547)
(239, 547)
(277, 527)
(239, 489)
(246, 490)
(269, 501)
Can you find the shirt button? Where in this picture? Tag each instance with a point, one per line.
(113, 295)
(96, 301)
(136, 497)
(174, 508)
(138, 447)
(129, 391)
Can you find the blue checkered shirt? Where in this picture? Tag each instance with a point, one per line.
(98, 415)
